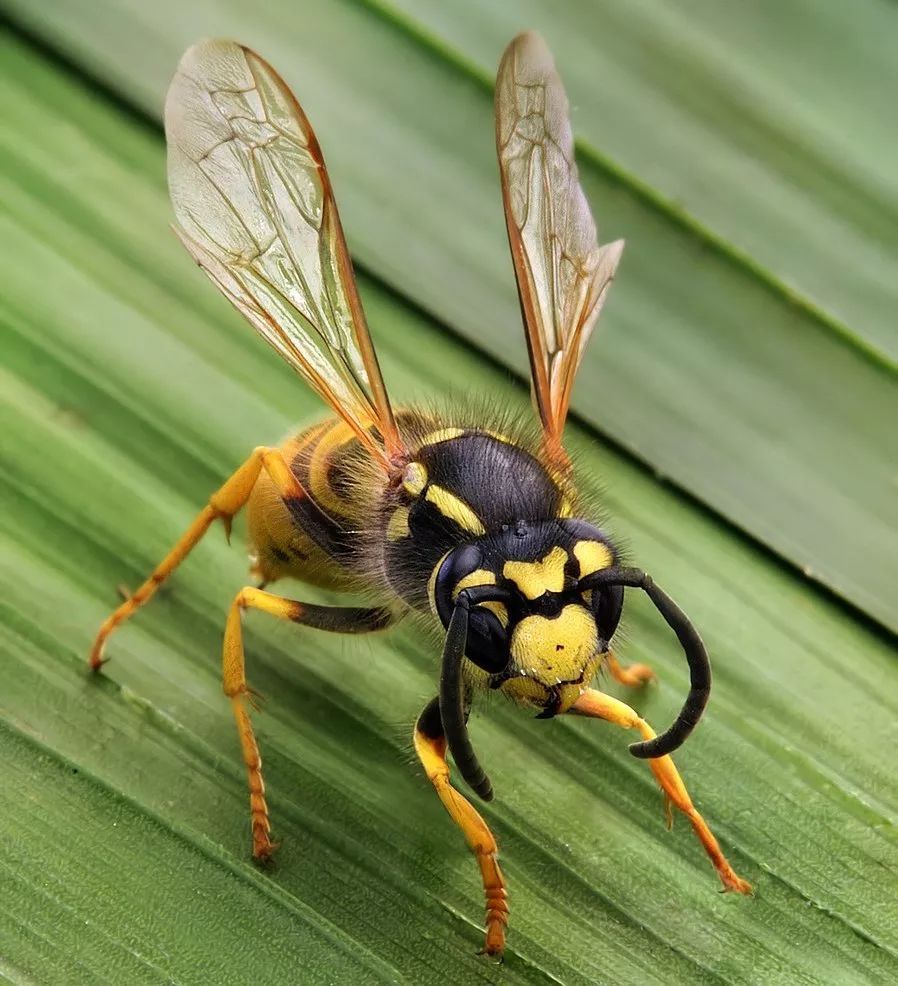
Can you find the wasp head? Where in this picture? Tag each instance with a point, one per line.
(542, 640)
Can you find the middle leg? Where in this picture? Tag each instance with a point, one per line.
(337, 619)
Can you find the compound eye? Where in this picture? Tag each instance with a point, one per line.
(457, 566)
(607, 605)
(462, 562)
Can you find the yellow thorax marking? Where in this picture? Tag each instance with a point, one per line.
(397, 526)
(481, 576)
(443, 435)
(449, 505)
(414, 479)
(565, 489)
(593, 556)
(534, 578)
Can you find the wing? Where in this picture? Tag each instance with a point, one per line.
(254, 206)
(563, 274)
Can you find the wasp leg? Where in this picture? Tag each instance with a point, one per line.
(631, 675)
(224, 503)
(336, 619)
(430, 745)
(600, 706)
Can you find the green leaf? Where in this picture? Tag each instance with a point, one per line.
(737, 118)
(129, 391)
(731, 376)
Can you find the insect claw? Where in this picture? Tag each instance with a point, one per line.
(263, 857)
(498, 957)
(255, 699)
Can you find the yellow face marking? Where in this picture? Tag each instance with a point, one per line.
(554, 653)
(593, 556)
(443, 435)
(499, 610)
(534, 578)
(449, 505)
(481, 576)
(397, 526)
(499, 438)
(414, 479)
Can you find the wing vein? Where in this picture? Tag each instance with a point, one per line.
(254, 206)
(562, 272)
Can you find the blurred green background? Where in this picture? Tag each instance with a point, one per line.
(738, 408)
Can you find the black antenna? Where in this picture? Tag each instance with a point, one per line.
(453, 698)
(693, 647)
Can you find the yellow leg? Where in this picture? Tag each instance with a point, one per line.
(348, 619)
(430, 745)
(600, 706)
(224, 503)
(632, 675)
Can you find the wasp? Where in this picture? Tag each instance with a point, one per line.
(476, 523)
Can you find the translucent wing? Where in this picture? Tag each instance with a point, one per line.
(563, 274)
(254, 206)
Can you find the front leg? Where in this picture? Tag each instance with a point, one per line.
(430, 745)
(597, 705)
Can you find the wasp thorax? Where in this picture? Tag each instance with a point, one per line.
(553, 657)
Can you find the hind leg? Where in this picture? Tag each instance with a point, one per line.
(224, 504)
